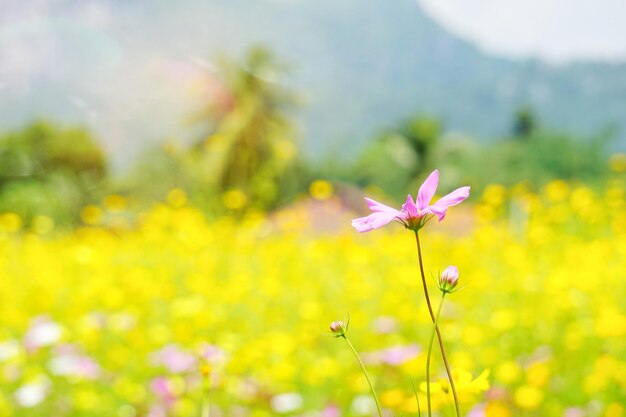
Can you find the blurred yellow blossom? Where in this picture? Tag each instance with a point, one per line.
(115, 202)
(617, 162)
(42, 224)
(234, 199)
(252, 300)
(177, 197)
(321, 190)
(508, 372)
(10, 222)
(91, 215)
(497, 409)
(528, 397)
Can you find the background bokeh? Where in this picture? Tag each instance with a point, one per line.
(177, 181)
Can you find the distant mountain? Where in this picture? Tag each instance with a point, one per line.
(360, 65)
(366, 64)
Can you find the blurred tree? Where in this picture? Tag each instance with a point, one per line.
(423, 135)
(525, 123)
(397, 157)
(249, 157)
(536, 160)
(46, 170)
(251, 150)
(387, 163)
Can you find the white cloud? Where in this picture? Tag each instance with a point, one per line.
(555, 30)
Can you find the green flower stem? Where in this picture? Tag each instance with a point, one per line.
(432, 317)
(206, 409)
(380, 410)
(430, 350)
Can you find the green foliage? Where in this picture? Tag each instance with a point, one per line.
(534, 155)
(539, 158)
(422, 133)
(47, 170)
(157, 171)
(387, 163)
(395, 159)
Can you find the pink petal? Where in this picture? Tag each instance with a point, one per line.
(427, 190)
(373, 221)
(377, 207)
(440, 208)
(409, 207)
(454, 198)
(440, 212)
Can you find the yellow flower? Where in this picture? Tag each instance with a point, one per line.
(465, 384)
(528, 397)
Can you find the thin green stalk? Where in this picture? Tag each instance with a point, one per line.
(430, 350)
(206, 410)
(417, 400)
(380, 410)
(432, 317)
(206, 405)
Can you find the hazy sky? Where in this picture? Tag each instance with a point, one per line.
(112, 64)
(555, 30)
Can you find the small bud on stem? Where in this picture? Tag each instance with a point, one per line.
(338, 328)
(449, 279)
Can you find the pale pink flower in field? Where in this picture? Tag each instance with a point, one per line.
(496, 394)
(477, 411)
(413, 214)
(161, 387)
(385, 325)
(574, 412)
(331, 411)
(69, 361)
(174, 359)
(393, 356)
(157, 411)
(42, 332)
(213, 354)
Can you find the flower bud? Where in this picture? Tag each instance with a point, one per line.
(337, 328)
(449, 279)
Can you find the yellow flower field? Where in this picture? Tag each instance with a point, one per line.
(120, 321)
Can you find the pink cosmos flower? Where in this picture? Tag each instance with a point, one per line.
(413, 214)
